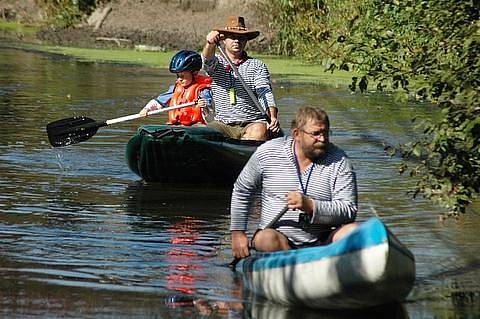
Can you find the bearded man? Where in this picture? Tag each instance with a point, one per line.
(306, 178)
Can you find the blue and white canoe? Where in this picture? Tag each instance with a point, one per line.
(367, 268)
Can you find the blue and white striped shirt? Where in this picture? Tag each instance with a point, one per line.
(255, 74)
(271, 171)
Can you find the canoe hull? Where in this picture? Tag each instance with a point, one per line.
(179, 154)
(368, 268)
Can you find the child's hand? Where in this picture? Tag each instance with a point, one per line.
(202, 103)
(153, 105)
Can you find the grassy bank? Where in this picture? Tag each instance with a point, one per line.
(17, 28)
(283, 70)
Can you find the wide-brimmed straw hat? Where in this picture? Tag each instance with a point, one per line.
(236, 25)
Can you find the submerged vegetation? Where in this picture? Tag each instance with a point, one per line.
(423, 50)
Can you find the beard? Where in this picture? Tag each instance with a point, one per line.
(316, 151)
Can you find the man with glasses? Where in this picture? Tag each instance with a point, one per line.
(237, 110)
(304, 176)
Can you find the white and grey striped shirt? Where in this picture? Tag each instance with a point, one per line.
(255, 74)
(271, 171)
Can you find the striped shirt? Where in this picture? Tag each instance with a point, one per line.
(255, 74)
(271, 173)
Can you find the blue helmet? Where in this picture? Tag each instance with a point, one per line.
(186, 60)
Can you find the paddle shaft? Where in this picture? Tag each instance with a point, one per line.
(136, 116)
(277, 218)
(245, 86)
(77, 129)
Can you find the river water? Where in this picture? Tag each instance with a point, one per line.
(83, 236)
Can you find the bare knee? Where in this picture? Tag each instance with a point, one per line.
(343, 231)
(256, 131)
(268, 240)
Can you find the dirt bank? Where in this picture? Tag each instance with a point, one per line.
(160, 24)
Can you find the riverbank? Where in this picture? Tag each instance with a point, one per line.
(284, 71)
(149, 33)
(166, 25)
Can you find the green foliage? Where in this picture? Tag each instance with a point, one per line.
(450, 170)
(424, 50)
(313, 30)
(306, 28)
(429, 51)
(65, 13)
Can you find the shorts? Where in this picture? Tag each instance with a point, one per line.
(233, 130)
(324, 238)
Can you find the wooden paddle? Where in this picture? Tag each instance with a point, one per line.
(77, 129)
(235, 261)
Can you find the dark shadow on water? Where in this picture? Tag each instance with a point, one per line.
(151, 199)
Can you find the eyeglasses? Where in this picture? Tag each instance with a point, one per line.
(316, 134)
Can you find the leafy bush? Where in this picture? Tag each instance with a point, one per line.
(430, 50)
(424, 50)
(65, 13)
(307, 28)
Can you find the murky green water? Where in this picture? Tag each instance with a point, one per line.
(82, 236)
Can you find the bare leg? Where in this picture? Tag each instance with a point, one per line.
(343, 231)
(256, 131)
(269, 240)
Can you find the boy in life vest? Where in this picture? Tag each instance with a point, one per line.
(189, 87)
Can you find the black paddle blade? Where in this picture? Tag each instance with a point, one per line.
(72, 130)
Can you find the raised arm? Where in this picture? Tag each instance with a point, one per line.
(213, 37)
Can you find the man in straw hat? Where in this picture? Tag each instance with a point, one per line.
(242, 92)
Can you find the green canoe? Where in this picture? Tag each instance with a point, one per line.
(186, 154)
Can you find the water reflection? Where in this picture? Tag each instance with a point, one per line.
(180, 257)
(271, 311)
(268, 310)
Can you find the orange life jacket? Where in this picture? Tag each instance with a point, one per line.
(191, 114)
